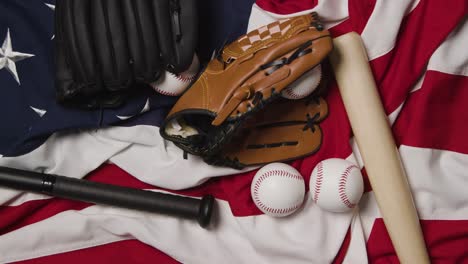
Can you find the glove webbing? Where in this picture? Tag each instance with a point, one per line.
(242, 95)
(301, 51)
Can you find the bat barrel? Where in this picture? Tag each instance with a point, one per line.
(377, 147)
(106, 194)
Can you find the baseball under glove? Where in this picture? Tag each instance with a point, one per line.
(234, 115)
(103, 48)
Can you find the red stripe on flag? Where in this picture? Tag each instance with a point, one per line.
(426, 27)
(435, 116)
(340, 256)
(128, 251)
(446, 241)
(283, 7)
(359, 14)
(15, 217)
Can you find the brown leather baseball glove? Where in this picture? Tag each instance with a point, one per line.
(233, 114)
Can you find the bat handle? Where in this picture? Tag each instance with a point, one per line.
(100, 193)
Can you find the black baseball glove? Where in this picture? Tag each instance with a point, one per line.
(103, 48)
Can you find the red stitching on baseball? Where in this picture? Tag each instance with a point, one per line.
(342, 186)
(181, 78)
(291, 94)
(163, 92)
(318, 182)
(265, 175)
(275, 211)
(290, 91)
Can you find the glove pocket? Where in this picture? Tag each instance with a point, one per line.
(284, 131)
(276, 143)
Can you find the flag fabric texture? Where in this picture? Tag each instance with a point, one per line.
(419, 57)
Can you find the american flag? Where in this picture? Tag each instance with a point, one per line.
(418, 51)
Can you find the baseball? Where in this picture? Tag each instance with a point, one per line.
(174, 85)
(304, 85)
(278, 189)
(336, 185)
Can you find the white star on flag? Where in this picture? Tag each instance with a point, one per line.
(53, 9)
(145, 109)
(38, 111)
(8, 57)
(51, 6)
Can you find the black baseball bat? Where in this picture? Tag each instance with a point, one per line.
(100, 193)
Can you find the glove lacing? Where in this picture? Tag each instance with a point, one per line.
(275, 65)
(311, 122)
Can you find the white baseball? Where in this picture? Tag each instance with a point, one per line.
(304, 85)
(175, 84)
(278, 189)
(336, 185)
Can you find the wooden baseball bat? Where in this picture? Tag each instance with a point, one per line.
(376, 144)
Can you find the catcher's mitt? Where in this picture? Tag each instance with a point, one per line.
(103, 48)
(221, 117)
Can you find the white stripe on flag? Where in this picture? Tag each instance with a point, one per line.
(382, 28)
(438, 183)
(332, 12)
(452, 56)
(309, 236)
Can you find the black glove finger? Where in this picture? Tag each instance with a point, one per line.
(65, 88)
(142, 39)
(110, 44)
(64, 85)
(177, 28)
(76, 44)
